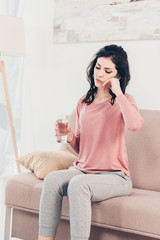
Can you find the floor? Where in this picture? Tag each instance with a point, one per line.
(3, 181)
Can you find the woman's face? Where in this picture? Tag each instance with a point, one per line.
(104, 70)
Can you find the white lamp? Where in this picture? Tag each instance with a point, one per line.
(11, 44)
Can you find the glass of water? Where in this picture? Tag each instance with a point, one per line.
(63, 125)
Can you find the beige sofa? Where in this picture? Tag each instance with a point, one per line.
(123, 218)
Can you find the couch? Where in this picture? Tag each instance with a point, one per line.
(134, 217)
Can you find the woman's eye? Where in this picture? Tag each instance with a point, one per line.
(100, 68)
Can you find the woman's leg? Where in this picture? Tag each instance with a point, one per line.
(87, 188)
(54, 188)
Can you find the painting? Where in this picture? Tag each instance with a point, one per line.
(106, 20)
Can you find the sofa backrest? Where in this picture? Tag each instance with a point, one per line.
(143, 148)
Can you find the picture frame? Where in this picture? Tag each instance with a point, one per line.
(106, 20)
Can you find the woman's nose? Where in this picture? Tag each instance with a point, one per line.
(100, 73)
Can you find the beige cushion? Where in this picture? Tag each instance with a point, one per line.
(42, 163)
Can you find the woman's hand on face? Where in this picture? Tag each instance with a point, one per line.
(113, 84)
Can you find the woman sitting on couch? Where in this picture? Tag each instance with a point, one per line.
(101, 171)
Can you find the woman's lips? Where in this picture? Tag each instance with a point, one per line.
(98, 81)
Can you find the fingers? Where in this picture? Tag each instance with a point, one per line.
(108, 82)
(106, 85)
(61, 129)
(103, 84)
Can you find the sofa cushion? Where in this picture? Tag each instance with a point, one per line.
(42, 163)
(139, 212)
(23, 190)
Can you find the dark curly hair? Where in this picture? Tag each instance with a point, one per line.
(120, 59)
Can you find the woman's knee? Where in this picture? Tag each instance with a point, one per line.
(53, 181)
(50, 178)
(78, 186)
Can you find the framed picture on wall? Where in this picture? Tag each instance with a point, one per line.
(106, 20)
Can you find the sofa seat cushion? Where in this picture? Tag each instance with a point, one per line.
(139, 212)
(23, 191)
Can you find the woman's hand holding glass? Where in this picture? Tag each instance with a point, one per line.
(62, 130)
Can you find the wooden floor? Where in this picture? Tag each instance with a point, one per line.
(3, 180)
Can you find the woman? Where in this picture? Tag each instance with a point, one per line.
(101, 171)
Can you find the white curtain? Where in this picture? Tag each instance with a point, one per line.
(14, 73)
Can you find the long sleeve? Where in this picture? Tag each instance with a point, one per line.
(130, 112)
(76, 140)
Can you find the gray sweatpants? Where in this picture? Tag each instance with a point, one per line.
(81, 189)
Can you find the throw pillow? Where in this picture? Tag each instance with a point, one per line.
(42, 163)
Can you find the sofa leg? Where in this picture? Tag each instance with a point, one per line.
(7, 223)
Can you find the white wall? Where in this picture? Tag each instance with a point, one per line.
(55, 76)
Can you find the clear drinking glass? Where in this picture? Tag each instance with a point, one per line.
(62, 118)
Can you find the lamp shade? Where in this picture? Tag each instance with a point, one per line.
(11, 36)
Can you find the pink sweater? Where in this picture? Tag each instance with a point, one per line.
(100, 134)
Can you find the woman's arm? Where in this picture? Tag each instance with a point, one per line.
(74, 140)
(74, 143)
(130, 112)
